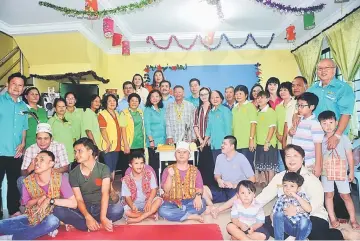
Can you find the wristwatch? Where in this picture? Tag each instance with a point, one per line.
(251, 138)
(52, 202)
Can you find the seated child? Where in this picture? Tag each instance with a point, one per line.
(344, 151)
(139, 189)
(298, 226)
(247, 215)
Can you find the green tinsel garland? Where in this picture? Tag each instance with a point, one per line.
(102, 13)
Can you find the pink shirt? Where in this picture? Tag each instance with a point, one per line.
(65, 190)
(198, 182)
(273, 104)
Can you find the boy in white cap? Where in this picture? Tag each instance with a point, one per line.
(183, 187)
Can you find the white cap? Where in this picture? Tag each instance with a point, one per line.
(183, 146)
(43, 127)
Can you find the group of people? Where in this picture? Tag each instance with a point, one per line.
(245, 138)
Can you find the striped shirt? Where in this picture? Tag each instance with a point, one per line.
(201, 120)
(251, 215)
(308, 132)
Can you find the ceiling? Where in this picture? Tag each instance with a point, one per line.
(183, 18)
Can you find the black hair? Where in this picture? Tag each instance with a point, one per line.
(294, 178)
(142, 80)
(27, 91)
(194, 80)
(163, 77)
(327, 115)
(128, 83)
(310, 98)
(88, 144)
(230, 87)
(56, 101)
(201, 102)
(286, 85)
(264, 93)
(247, 184)
(297, 148)
(17, 75)
(242, 88)
(92, 98)
(148, 99)
(49, 153)
(303, 79)
(178, 86)
(219, 93)
(136, 155)
(132, 95)
(105, 100)
(252, 88)
(232, 140)
(70, 93)
(273, 80)
(165, 81)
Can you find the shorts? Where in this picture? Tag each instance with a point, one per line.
(342, 186)
(220, 195)
(262, 230)
(140, 205)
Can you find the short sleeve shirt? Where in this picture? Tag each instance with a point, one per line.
(91, 123)
(90, 186)
(125, 191)
(266, 118)
(251, 215)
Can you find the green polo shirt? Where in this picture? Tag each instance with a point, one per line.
(138, 141)
(266, 118)
(280, 111)
(62, 133)
(243, 116)
(219, 125)
(31, 132)
(75, 119)
(91, 123)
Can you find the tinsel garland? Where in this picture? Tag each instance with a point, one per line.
(74, 76)
(282, 8)
(258, 72)
(82, 13)
(150, 40)
(149, 68)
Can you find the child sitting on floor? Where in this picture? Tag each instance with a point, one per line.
(139, 189)
(298, 226)
(247, 215)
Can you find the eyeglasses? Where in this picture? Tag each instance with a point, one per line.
(325, 68)
(301, 106)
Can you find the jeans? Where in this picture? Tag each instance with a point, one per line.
(300, 230)
(281, 162)
(75, 218)
(20, 228)
(19, 183)
(170, 211)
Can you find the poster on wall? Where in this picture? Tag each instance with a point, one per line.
(216, 77)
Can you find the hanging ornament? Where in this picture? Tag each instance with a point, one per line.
(125, 47)
(341, 1)
(309, 21)
(91, 5)
(290, 34)
(108, 27)
(209, 39)
(116, 40)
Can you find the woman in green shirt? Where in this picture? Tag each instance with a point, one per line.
(90, 120)
(61, 127)
(74, 115)
(31, 97)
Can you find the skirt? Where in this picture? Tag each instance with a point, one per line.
(266, 160)
(206, 166)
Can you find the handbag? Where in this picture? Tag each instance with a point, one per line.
(335, 167)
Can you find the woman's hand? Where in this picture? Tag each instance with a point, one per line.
(126, 149)
(108, 147)
(266, 147)
(252, 145)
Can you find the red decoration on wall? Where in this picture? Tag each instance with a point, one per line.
(116, 41)
(108, 27)
(290, 34)
(91, 5)
(125, 47)
(209, 38)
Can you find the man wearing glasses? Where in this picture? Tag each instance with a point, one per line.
(334, 95)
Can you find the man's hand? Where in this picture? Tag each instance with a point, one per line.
(148, 205)
(228, 185)
(41, 200)
(171, 171)
(134, 208)
(290, 210)
(92, 224)
(332, 142)
(198, 204)
(107, 224)
(221, 183)
(19, 150)
(170, 141)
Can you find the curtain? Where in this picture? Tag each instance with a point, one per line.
(307, 57)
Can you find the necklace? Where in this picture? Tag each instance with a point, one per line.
(179, 111)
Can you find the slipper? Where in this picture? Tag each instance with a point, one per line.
(355, 225)
(334, 224)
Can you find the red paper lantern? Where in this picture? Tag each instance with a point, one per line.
(290, 34)
(91, 5)
(108, 27)
(116, 41)
(209, 39)
(125, 47)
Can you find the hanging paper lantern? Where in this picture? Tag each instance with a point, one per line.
(309, 21)
(108, 27)
(125, 47)
(290, 34)
(91, 5)
(209, 39)
(116, 41)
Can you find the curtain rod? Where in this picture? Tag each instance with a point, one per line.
(307, 41)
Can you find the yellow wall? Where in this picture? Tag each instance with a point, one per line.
(71, 52)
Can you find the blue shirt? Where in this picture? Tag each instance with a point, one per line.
(155, 125)
(170, 99)
(194, 101)
(13, 122)
(124, 104)
(337, 96)
(229, 106)
(219, 125)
